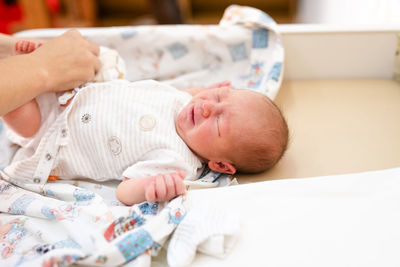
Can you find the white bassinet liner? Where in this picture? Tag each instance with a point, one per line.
(244, 49)
(81, 221)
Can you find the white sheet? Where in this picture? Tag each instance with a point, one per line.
(345, 220)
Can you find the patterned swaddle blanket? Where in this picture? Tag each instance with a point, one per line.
(245, 49)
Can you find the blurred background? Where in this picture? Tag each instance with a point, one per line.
(17, 15)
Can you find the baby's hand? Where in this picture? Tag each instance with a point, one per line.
(164, 187)
(195, 90)
(220, 84)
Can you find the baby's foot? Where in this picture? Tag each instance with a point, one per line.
(25, 47)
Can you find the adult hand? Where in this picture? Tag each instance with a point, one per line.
(67, 61)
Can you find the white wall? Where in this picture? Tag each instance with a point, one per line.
(347, 12)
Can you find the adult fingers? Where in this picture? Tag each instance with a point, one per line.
(96, 64)
(94, 48)
(74, 35)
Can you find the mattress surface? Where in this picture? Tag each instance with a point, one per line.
(337, 127)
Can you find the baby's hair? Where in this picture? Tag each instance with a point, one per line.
(267, 148)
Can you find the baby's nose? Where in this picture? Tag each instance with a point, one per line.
(207, 109)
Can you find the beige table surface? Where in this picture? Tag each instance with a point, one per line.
(337, 127)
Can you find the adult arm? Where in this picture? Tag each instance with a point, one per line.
(6, 45)
(65, 62)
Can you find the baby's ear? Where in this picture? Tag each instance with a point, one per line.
(221, 166)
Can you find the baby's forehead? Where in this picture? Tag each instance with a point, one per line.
(253, 110)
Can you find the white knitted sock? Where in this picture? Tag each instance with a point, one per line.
(207, 228)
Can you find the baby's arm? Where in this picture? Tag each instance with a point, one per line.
(161, 187)
(24, 120)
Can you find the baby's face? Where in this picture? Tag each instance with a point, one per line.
(214, 119)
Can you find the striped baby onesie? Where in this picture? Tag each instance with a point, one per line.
(109, 131)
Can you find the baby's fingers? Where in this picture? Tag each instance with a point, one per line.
(182, 174)
(170, 186)
(164, 187)
(161, 190)
(179, 185)
(150, 193)
(220, 84)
